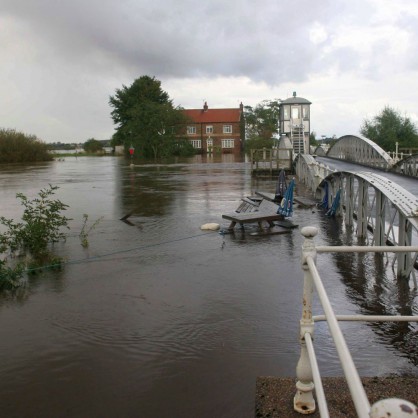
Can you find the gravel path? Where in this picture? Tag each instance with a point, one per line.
(274, 396)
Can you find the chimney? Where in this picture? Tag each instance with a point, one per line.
(205, 107)
(241, 107)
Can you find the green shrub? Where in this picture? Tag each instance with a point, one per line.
(16, 147)
(41, 225)
(10, 277)
(42, 222)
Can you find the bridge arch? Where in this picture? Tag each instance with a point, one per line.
(385, 213)
(320, 151)
(361, 151)
(407, 166)
(379, 210)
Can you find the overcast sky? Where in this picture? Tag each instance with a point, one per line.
(61, 60)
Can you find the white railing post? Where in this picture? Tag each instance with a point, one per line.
(304, 401)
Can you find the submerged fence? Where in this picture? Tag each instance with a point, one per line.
(271, 161)
(307, 370)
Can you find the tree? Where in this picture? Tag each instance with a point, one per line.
(389, 127)
(312, 139)
(146, 118)
(92, 145)
(262, 123)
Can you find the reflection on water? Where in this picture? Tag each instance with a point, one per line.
(371, 283)
(159, 318)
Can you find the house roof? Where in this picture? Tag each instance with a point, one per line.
(206, 115)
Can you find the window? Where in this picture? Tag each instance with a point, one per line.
(196, 143)
(191, 130)
(295, 112)
(227, 143)
(286, 112)
(209, 129)
(227, 129)
(209, 143)
(305, 111)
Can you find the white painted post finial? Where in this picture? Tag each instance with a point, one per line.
(309, 231)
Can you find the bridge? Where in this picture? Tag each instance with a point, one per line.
(381, 211)
(378, 209)
(365, 152)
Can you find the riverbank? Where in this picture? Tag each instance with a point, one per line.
(274, 395)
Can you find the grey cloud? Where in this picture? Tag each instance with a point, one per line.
(81, 51)
(265, 40)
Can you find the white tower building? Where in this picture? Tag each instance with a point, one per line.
(295, 122)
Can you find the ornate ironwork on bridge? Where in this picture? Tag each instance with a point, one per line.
(363, 151)
(360, 151)
(407, 166)
(382, 211)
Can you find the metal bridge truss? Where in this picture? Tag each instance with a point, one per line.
(360, 150)
(365, 152)
(383, 212)
(407, 166)
(320, 151)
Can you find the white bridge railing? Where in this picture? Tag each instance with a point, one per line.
(307, 370)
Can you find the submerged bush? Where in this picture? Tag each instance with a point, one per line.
(86, 229)
(16, 147)
(10, 277)
(41, 225)
(42, 222)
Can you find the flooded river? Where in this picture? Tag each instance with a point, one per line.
(157, 318)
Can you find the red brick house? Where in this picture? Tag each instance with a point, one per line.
(216, 130)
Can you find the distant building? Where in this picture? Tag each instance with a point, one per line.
(294, 122)
(216, 130)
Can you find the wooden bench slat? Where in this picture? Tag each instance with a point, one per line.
(252, 217)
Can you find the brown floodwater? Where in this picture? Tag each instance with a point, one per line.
(157, 318)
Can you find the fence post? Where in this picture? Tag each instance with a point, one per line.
(304, 401)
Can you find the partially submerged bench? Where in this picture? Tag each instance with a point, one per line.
(249, 204)
(304, 202)
(265, 212)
